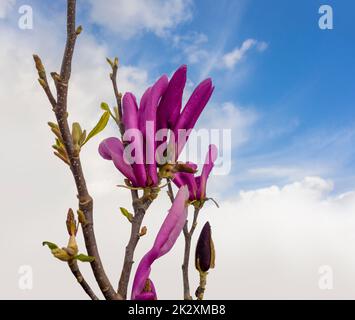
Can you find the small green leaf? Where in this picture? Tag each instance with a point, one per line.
(99, 127)
(104, 106)
(79, 30)
(127, 214)
(57, 142)
(81, 217)
(76, 133)
(82, 138)
(84, 258)
(110, 62)
(50, 245)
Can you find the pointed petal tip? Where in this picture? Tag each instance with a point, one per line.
(207, 81)
(104, 147)
(163, 78)
(213, 150)
(206, 85)
(128, 99)
(182, 68)
(128, 95)
(103, 151)
(207, 225)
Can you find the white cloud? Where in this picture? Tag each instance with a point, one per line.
(276, 172)
(230, 116)
(135, 16)
(231, 59)
(5, 7)
(191, 46)
(271, 242)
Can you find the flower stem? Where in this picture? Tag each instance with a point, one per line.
(140, 208)
(185, 266)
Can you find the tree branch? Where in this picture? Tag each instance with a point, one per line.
(170, 191)
(185, 266)
(118, 96)
(140, 206)
(73, 265)
(60, 110)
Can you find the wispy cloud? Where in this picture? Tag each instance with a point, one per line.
(129, 18)
(231, 59)
(191, 45)
(5, 7)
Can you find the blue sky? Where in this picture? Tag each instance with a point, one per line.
(299, 88)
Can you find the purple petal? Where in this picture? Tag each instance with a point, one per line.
(192, 111)
(112, 149)
(173, 223)
(170, 105)
(130, 111)
(186, 179)
(166, 238)
(142, 107)
(130, 121)
(195, 105)
(142, 274)
(150, 113)
(206, 170)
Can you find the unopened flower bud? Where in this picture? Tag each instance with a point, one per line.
(76, 133)
(205, 252)
(61, 254)
(72, 248)
(71, 223)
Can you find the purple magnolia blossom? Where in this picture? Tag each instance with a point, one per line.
(197, 185)
(143, 287)
(159, 108)
(170, 115)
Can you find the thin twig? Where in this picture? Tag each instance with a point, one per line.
(170, 191)
(118, 96)
(140, 208)
(187, 235)
(185, 266)
(200, 291)
(85, 200)
(73, 265)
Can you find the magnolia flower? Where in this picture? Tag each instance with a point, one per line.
(197, 185)
(170, 115)
(143, 287)
(159, 109)
(142, 171)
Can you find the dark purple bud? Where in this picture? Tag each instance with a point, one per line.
(205, 253)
